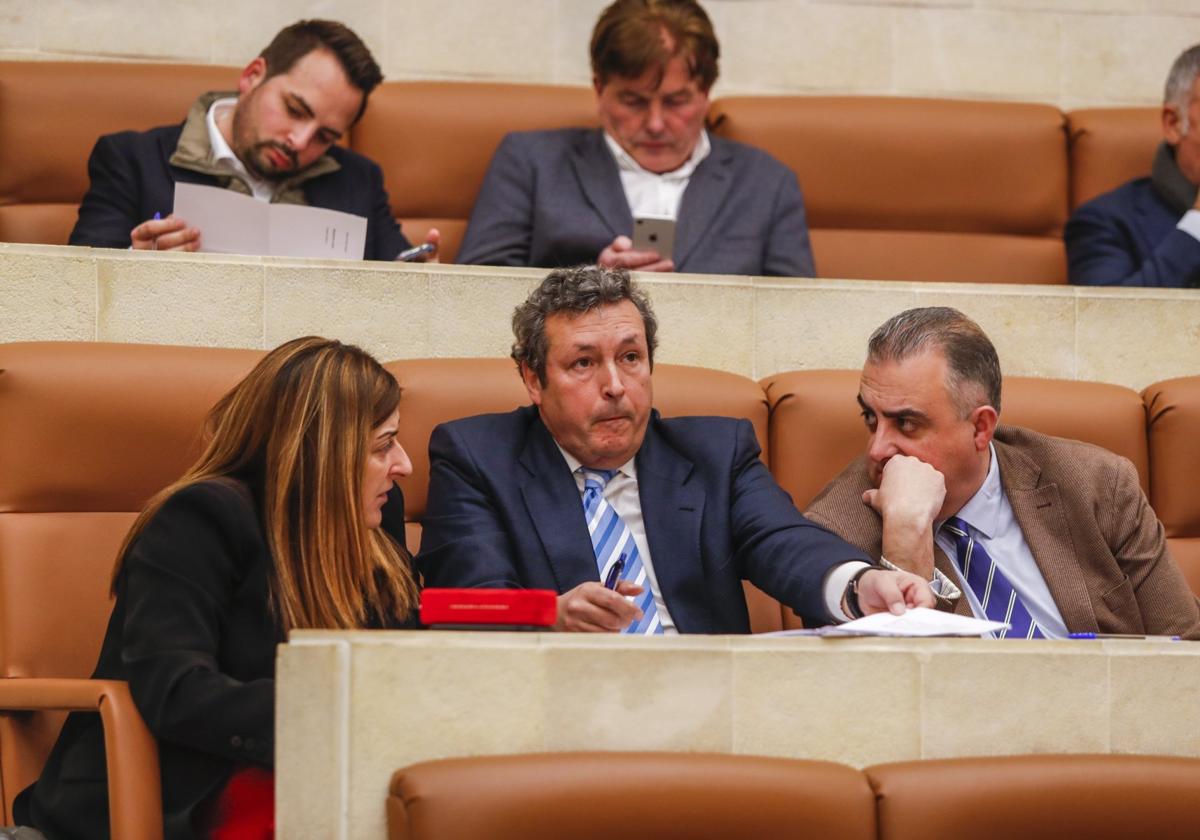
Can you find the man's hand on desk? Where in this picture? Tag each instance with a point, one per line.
(908, 499)
(620, 254)
(590, 608)
(169, 234)
(880, 590)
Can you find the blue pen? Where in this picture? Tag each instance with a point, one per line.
(157, 216)
(614, 574)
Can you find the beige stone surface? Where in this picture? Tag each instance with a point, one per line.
(202, 300)
(1122, 58)
(976, 52)
(1126, 7)
(181, 31)
(310, 736)
(471, 310)
(638, 694)
(813, 325)
(18, 24)
(771, 46)
(46, 297)
(435, 38)
(787, 704)
(1155, 686)
(572, 35)
(1034, 335)
(1041, 698)
(1135, 337)
(258, 22)
(382, 308)
(703, 321)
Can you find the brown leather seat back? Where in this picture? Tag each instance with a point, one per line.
(1110, 146)
(438, 390)
(53, 114)
(919, 189)
(90, 432)
(1039, 797)
(816, 427)
(435, 140)
(1173, 421)
(639, 796)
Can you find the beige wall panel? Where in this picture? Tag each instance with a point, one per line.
(1035, 336)
(471, 39)
(46, 297)
(1137, 337)
(18, 24)
(258, 21)
(787, 706)
(1120, 58)
(573, 23)
(951, 52)
(767, 45)
(172, 30)
(471, 310)
(700, 319)
(211, 302)
(1155, 677)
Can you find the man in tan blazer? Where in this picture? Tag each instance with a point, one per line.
(1053, 536)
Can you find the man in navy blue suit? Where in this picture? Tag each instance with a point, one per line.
(538, 497)
(1147, 232)
(272, 139)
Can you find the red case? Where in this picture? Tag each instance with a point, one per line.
(487, 607)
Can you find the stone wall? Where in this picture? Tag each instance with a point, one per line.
(1070, 53)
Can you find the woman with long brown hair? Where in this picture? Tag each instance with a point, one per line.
(289, 519)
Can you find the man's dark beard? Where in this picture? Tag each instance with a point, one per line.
(273, 175)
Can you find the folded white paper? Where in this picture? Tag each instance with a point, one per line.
(919, 621)
(232, 223)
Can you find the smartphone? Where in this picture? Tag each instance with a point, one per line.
(654, 233)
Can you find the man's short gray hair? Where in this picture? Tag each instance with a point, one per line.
(1178, 90)
(574, 290)
(971, 358)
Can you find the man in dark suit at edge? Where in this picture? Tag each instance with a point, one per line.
(1147, 232)
(273, 139)
(590, 486)
(570, 196)
(1052, 536)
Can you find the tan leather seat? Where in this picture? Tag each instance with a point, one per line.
(1173, 419)
(51, 114)
(919, 189)
(1110, 146)
(1039, 797)
(639, 796)
(435, 140)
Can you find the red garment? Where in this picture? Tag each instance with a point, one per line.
(246, 808)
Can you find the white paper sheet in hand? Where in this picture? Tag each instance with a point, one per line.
(918, 621)
(232, 223)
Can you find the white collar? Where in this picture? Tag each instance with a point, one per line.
(629, 468)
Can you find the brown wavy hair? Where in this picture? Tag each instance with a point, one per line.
(298, 426)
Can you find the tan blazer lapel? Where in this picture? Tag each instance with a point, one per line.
(1040, 512)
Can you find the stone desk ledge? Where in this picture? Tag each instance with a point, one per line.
(354, 707)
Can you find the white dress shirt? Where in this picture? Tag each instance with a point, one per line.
(221, 152)
(1190, 223)
(651, 194)
(996, 529)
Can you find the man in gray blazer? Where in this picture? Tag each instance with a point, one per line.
(570, 196)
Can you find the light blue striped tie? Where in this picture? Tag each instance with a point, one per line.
(996, 595)
(612, 539)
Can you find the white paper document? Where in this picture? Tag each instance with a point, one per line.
(919, 621)
(232, 223)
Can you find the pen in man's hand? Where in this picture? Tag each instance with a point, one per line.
(420, 250)
(614, 573)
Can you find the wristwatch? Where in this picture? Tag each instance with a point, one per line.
(852, 607)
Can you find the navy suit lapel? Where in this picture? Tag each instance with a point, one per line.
(556, 510)
(600, 183)
(672, 511)
(1039, 511)
(703, 199)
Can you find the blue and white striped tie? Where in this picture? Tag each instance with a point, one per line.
(612, 539)
(996, 595)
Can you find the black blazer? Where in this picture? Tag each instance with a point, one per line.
(132, 179)
(504, 510)
(193, 633)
